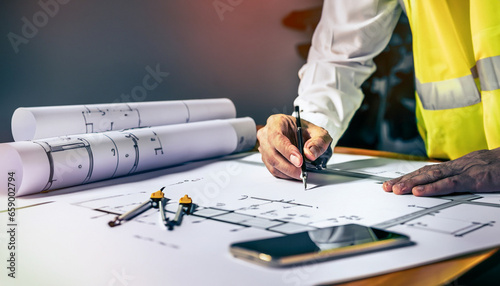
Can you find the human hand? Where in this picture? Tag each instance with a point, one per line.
(278, 145)
(475, 172)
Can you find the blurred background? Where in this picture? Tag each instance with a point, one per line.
(60, 52)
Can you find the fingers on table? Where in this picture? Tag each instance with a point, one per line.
(436, 179)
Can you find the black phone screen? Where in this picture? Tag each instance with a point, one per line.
(319, 244)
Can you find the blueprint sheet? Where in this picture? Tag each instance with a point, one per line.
(64, 238)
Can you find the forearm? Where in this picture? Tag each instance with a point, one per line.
(348, 37)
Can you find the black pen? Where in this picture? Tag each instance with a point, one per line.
(300, 145)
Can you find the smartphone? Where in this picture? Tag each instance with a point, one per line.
(318, 245)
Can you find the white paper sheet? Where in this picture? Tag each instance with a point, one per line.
(238, 200)
(60, 162)
(30, 123)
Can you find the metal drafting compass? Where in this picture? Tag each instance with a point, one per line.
(186, 206)
(157, 201)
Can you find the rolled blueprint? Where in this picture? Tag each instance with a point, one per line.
(30, 123)
(65, 161)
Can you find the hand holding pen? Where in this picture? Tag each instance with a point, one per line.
(300, 145)
(279, 151)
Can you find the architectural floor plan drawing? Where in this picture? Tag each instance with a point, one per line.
(289, 214)
(237, 199)
(101, 118)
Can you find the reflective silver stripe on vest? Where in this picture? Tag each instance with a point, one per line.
(489, 73)
(446, 94)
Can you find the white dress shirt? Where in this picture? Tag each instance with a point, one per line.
(349, 35)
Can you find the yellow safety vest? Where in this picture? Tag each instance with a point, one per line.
(456, 48)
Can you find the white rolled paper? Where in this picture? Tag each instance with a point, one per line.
(29, 123)
(59, 162)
